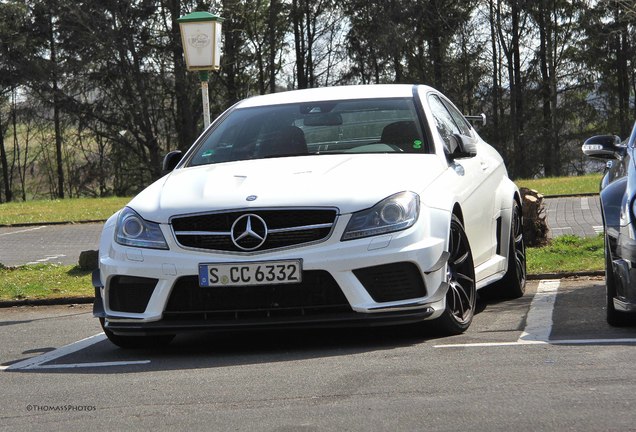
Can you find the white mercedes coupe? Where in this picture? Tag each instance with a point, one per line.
(342, 206)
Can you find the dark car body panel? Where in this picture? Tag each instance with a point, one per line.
(618, 188)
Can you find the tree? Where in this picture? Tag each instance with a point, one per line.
(608, 50)
(123, 66)
(555, 22)
(187, 107)
(315, 24)
(46, 18)
(16, 51)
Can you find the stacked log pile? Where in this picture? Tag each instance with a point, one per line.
(535, 227)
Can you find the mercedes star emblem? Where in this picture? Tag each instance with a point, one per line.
(249, 232)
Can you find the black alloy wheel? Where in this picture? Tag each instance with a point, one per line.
(513, 284)
(462, 294)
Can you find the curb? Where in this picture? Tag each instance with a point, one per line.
(47, 302)
(572, 195)
(539, 276)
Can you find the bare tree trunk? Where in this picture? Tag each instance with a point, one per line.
(186, 121)
(299, 44)
(549, 156)
(622, 55)
(309, 61)
(5, 166)
(56, 110)
(271, 29)
(230, 55)
(520, 148)
(496, 93)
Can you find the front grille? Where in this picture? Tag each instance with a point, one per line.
(317, 294)
(285, 228)
(392, 282)
(129, 293)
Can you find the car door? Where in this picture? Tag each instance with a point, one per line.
(475, 191)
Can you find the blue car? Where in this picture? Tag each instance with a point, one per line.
(618, 206)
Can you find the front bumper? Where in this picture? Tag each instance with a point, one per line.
(625, 277)
(385, 280)
(344, 319)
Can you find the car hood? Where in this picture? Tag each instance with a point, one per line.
(348, 182)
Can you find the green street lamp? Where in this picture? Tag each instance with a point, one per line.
(201, 40)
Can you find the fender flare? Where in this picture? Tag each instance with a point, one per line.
(613, 200)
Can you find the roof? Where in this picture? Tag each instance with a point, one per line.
(331, 93)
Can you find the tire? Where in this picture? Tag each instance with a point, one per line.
(462, 293)
(513, 284)
(614, 318)
(133, 342)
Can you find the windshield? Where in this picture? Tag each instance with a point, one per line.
(358, 126)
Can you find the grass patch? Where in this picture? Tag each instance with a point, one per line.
(82, 209)
(563, 185)
(70, 209)
(567, 253)
(44, 281)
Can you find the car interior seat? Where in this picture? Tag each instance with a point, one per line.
(402, 134)
(288, 140)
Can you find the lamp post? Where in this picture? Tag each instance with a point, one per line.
(201, 40)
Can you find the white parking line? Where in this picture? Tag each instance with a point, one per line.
(593, 341)
(585, 204)
(539, 319)
(564, 230)
(23, 231)
(539, 324)
(48, 258)
(38, 361)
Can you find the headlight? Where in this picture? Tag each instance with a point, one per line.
(132, 230)
(395, 213)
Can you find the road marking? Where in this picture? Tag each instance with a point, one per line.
(539, 319)
(568, 230)
(93, 365)
(23, 231)
(585, 204)
(593, 341)
(489, 344)
(38, 361)
(48, 258)
(539, 324)
(598, 229)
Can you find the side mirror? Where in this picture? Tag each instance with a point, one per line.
(604, 147)
(477, 118)
(466, 147)
(171, 160)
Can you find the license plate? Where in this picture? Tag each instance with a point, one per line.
(253, 273)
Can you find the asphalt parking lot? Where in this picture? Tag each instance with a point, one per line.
(546, 361)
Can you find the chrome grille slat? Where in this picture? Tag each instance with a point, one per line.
(286, 228)
(272, 231)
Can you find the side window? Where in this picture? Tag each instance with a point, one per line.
(460, 120)
(445, 124)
